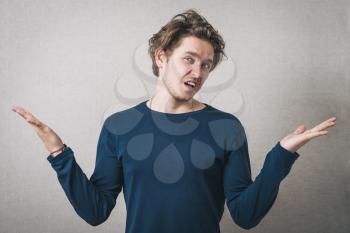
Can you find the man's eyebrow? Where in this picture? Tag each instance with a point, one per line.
(196, 55)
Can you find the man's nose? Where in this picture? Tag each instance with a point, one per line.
(196, 70)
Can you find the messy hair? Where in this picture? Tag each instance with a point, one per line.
(189, 23)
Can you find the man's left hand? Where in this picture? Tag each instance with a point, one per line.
(301, 136)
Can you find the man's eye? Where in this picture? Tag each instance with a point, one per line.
(207, 66)
(189, 59)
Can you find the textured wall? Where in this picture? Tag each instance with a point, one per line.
(72, 63)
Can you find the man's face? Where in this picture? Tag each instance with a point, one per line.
(190, 61)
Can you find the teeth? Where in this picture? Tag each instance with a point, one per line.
(191, 83)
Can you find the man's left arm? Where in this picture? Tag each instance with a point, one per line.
(248, 201)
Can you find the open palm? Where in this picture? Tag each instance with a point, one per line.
(301, 136)
(51, 140)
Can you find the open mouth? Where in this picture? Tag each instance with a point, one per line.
(191, 84)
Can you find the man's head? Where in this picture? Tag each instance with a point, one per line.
(189, 23)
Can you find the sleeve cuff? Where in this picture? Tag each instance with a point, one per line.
(283, 158)
(64, 154)
(283, 150)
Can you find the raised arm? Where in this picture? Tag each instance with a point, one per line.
(248, 201)
(93, 199)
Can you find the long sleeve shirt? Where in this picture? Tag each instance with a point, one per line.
(176, 172)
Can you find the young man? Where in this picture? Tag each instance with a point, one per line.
(176, 159)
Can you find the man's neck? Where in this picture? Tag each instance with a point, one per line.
(166, 104)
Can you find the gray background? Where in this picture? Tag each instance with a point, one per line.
(61, 59)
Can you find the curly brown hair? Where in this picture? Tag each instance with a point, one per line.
(189, 23)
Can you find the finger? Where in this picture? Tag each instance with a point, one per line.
(324, 125)
(27, 116)
(332, 119)
(18, 108)
(300, 129)
(23, 113)
(313, 135)
(33, 121)
(20, 111)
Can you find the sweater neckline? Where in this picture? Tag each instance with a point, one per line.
(144, 105)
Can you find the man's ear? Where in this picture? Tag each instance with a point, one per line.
(161, 58)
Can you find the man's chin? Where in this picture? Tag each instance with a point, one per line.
(183, 98)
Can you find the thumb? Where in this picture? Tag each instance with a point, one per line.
(300, 129)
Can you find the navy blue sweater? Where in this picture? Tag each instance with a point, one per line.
(175, 170)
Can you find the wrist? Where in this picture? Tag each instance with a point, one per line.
(58, 151)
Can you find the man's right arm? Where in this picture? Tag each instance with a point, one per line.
(93, 199)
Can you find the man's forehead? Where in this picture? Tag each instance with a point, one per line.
(193, 45)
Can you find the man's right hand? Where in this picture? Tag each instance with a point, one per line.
(51, 140)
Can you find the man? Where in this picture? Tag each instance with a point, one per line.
(176, 159)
